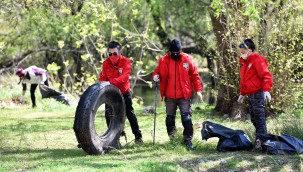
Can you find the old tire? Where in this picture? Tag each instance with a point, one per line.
(90, 101)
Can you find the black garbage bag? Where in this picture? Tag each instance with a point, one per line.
(229, 139)
(280, 145)
(48, 92)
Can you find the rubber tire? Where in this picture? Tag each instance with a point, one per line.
(84, 127)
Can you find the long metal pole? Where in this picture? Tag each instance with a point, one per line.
(155, 112)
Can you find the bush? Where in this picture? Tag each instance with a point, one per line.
(290, 124)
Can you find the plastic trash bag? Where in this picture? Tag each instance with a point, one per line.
(280, 145)
(48, 92)
(229, 139)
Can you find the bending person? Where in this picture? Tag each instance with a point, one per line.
(32, 75)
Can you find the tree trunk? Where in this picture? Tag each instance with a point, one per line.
(160, 32)
(210, 55)
(264, 34)
(226, 94)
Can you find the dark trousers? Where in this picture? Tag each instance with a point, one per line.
(257, 111)
(185, 109)
(32, 91)
(129, 114)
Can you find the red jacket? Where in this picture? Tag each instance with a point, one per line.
(117, 75)
(254, 75)
(188, 76)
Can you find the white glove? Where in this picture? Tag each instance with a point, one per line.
(200, 96)
(240, 99)
(156, 78)
(267, 96)
(21, 99)
(105, 82)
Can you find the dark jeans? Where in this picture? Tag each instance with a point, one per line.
(257, 111)
(185, 110)
(129, 114)
(32, 91)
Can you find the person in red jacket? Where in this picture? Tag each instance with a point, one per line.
(116, 70)
(256, 82)
(178, 75)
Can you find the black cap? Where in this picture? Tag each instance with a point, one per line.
(248, 44)
(114, 44)
(174, 46)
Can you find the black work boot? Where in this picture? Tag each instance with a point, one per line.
(139, 141)
(258, 145)
(123, 134)
(34, 103)
(189, 145)
(172, 133)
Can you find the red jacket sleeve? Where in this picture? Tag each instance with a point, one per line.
(264, 74)
(103, 76)
(194, 76)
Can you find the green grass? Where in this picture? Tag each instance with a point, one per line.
(42, 139)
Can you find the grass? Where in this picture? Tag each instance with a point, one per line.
(42, 139)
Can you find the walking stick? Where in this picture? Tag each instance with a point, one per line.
(155, 112)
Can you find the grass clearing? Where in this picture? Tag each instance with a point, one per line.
(35, 140)
(42, 139)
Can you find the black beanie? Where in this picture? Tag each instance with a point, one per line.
(174, 46)
(250, 44)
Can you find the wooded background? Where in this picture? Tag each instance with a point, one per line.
(69, 38)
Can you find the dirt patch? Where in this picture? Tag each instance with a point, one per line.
(12, 103)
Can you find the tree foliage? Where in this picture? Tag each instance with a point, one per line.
(70, 38)
(73, 34)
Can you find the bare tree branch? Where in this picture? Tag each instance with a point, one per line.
(8, 64)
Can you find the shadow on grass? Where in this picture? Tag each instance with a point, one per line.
(49, 158)
(206, 158)
(169, 156)
(45, 153)
(38, 125)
